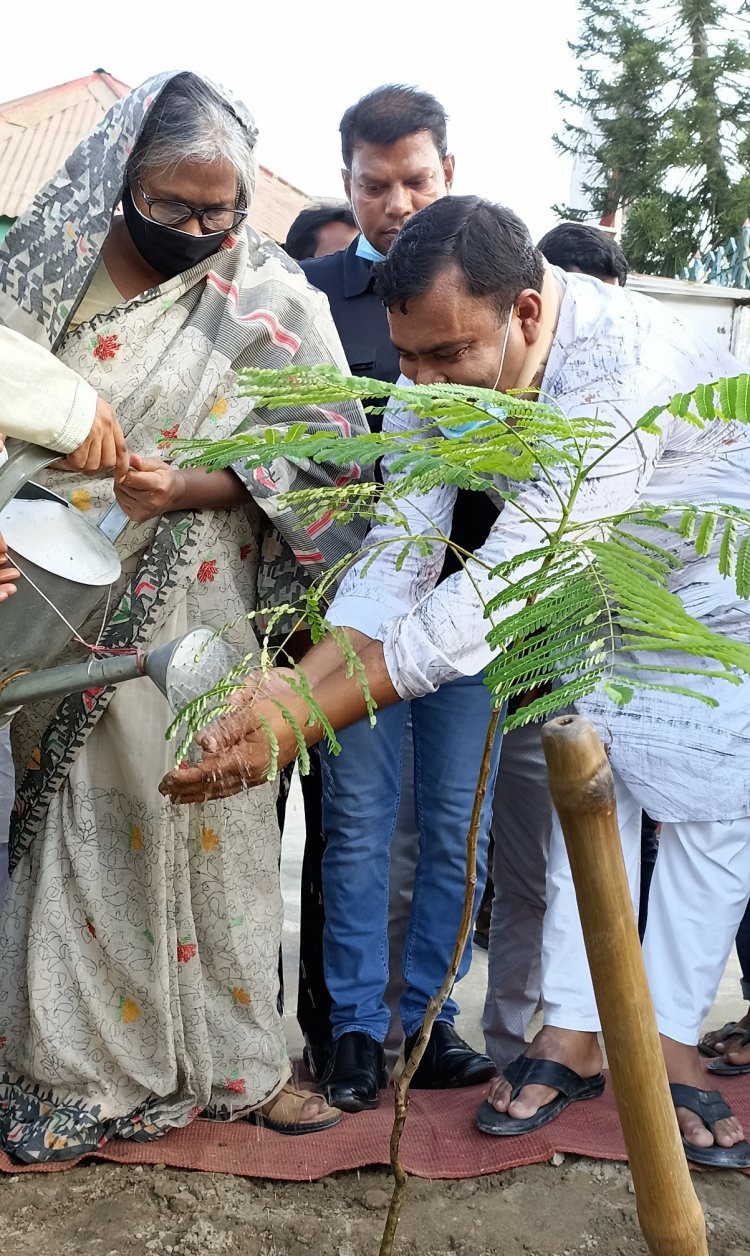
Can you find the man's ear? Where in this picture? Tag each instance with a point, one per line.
(528, 309)
(346, 176)
(449, 167)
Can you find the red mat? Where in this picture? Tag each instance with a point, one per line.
(440, 1141)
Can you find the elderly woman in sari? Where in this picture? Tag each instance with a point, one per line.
(139, 944)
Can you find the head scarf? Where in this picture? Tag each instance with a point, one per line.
(49, 255)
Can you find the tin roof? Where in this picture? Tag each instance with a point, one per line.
(38, 132)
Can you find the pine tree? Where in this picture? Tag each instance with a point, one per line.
(662, 111)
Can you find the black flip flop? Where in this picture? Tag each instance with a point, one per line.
(711, 1107)
(724, 1069)
(527, 1072)
(727, 1031)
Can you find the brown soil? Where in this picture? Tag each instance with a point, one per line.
(580, 1206)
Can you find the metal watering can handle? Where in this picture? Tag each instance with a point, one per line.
(114, 522)
(25, 461)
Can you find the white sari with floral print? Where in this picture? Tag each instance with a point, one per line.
(139, 944)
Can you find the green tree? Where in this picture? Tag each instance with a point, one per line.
(661, 123)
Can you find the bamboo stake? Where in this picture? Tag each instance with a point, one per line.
(582, 790)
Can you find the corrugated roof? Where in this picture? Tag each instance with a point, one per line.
(38, 132)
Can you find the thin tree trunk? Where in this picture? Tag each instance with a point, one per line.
(435, 1005)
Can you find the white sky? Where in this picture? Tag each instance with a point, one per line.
(493, 65)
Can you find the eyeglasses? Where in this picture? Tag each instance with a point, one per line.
(175, 213)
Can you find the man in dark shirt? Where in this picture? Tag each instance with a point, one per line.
(394, 148)
(396, 162)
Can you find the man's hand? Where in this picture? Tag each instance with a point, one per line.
(149, 488)
(103, 450)
(236, 747)
(7, 574)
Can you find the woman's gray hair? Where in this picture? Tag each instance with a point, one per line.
(191, 122)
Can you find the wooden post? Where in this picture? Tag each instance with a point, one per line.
(582, 789)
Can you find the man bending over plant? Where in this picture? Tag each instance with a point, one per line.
(576, 590)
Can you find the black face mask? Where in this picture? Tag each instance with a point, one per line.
(169, 250)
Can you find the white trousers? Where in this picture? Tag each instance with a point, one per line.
(698, 896)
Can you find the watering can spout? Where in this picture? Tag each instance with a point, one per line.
(156, 663)
(182, 669)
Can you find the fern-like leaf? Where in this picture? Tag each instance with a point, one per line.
(742, 571)
(577, 611)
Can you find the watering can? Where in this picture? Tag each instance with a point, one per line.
(67, 565)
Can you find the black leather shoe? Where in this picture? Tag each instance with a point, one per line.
(316, 1057)
(355, 1074)
(448, 1062)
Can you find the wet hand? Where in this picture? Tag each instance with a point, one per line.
(236, 747)
(149, 488)
(8, 575)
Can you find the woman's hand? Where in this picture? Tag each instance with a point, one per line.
(149, 488)
(7, 574)
(152, 487)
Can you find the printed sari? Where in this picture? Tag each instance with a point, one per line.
(139, 943)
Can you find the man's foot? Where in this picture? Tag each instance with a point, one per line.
(578, 1051)
(718, 1041)
(293, 1111)
(560, 1067)
(736, 1059)
(684, 1068)
(448, 1061)
(355, 1073)
(729, 1047)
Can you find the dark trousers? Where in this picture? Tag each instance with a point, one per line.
(313, 999)
(742, 943)
(649, 851)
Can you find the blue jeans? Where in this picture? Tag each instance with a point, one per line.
(361, 794)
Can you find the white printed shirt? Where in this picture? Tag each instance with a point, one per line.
(615, 354)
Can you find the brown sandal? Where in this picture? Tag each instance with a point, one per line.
(284, 1109)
